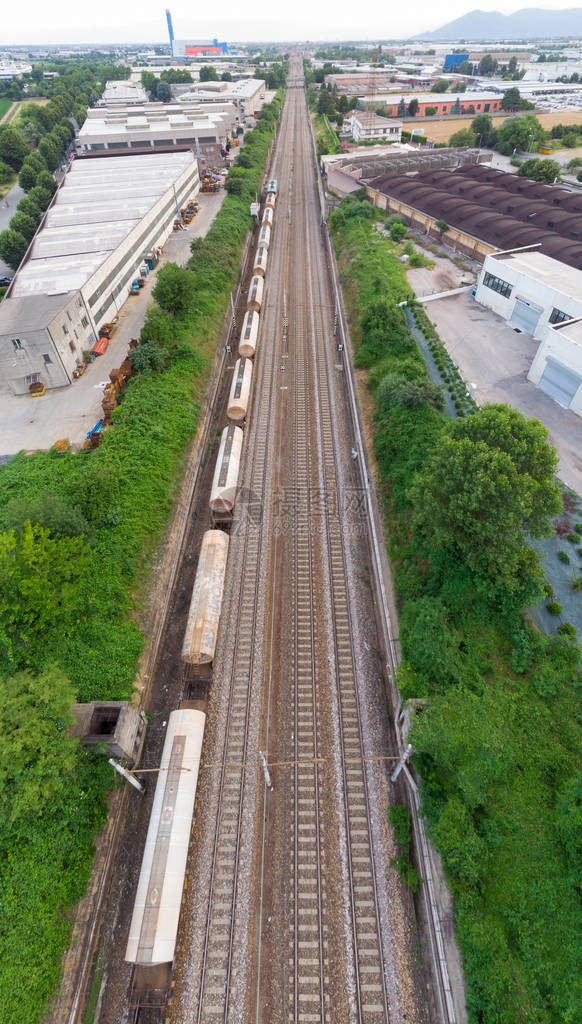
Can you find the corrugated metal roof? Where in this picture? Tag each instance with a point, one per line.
(98, 204)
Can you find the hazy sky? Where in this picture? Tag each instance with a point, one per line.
(71, 21)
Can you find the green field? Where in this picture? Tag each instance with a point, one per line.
(4, 106)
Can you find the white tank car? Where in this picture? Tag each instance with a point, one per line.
(240, 390)
(267, 216)
(204, 615)
(261, 257)
(264, 237)
(224, 484)
(154, 924)
(271, 199)
(255, 296)
(247, 345)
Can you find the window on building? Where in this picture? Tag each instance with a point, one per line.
(557, 317)
(497, 285)
(72, 346)
(84, 321)
(65, 329)
(17, 344)
(32, 378)
(47, 358)
(70, 317)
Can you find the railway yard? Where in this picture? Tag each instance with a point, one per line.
(291, 911)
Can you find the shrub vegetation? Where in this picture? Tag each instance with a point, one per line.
(499, 745)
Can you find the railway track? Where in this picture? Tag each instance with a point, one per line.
(318, 514)
(217, 973)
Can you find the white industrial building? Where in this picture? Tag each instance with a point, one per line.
(365, 126)
(161, 126)
(248, 94)
(542, 297)
(122, 94)
(107, 215)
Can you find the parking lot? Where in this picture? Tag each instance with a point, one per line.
(496, 359)
(36, 423)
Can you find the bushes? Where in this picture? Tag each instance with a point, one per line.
(500, 740)
(70, 579)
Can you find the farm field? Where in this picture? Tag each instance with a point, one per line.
(441, 131)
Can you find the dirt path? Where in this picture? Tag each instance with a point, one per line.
(13, 110)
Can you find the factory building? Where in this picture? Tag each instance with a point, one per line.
(107, 215)
(122, 94)
(440, 102)
(248, 94)
(161, 126)
(198, 48)
(557, 367)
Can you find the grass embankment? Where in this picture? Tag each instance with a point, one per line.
(68, 597)
(325, 138)
(5, 107)
(499, 745)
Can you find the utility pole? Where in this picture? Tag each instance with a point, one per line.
(127, 775)
(268, 782)
(403, 760)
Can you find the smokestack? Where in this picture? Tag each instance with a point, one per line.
(170, 31)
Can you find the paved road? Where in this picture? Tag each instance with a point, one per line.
(71, 412)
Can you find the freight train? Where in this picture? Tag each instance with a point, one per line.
(154, 925)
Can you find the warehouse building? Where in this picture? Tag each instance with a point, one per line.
(161, 126)
(395, 105)
(248, 94)
(487, 210)
(529, 289)
(542, 297)
(107, 215)
(557, 367)
(122, 94)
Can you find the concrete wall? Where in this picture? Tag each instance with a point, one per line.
(51, 352)
(556, 344)
(462, 241)
(529, 288)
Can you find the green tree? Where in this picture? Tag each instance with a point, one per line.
(37, 752)
(27, 177)
(13, 147)
(175, 288)
(442, 226)
(24, 224)
(464, 137)
(523, 133)
(482, 125)
(163, 92)
(46, 181)
(511, 99)
(487, 65)
(49, 151)
(40, 196)
(28, 205)
(208, 73)
(6, 173)
(13, 246)
(40, 593)
(48, 509)
(398, 231)
(413, 108)
(540, 170)
(484, 489)
(149, 82)
(512, 66)
(440, 86)
(226, 76)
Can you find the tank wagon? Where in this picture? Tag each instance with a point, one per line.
(247, 345)
(265, 236)
(240, 390)
(154, 924)
(204, 615)
(267, 216)
(272, 185)
(260, 262)
(271, 199)
(255, 296)
(224, 484)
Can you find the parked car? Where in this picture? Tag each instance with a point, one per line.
(5, 281)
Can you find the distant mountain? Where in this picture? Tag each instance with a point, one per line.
(529, 23)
